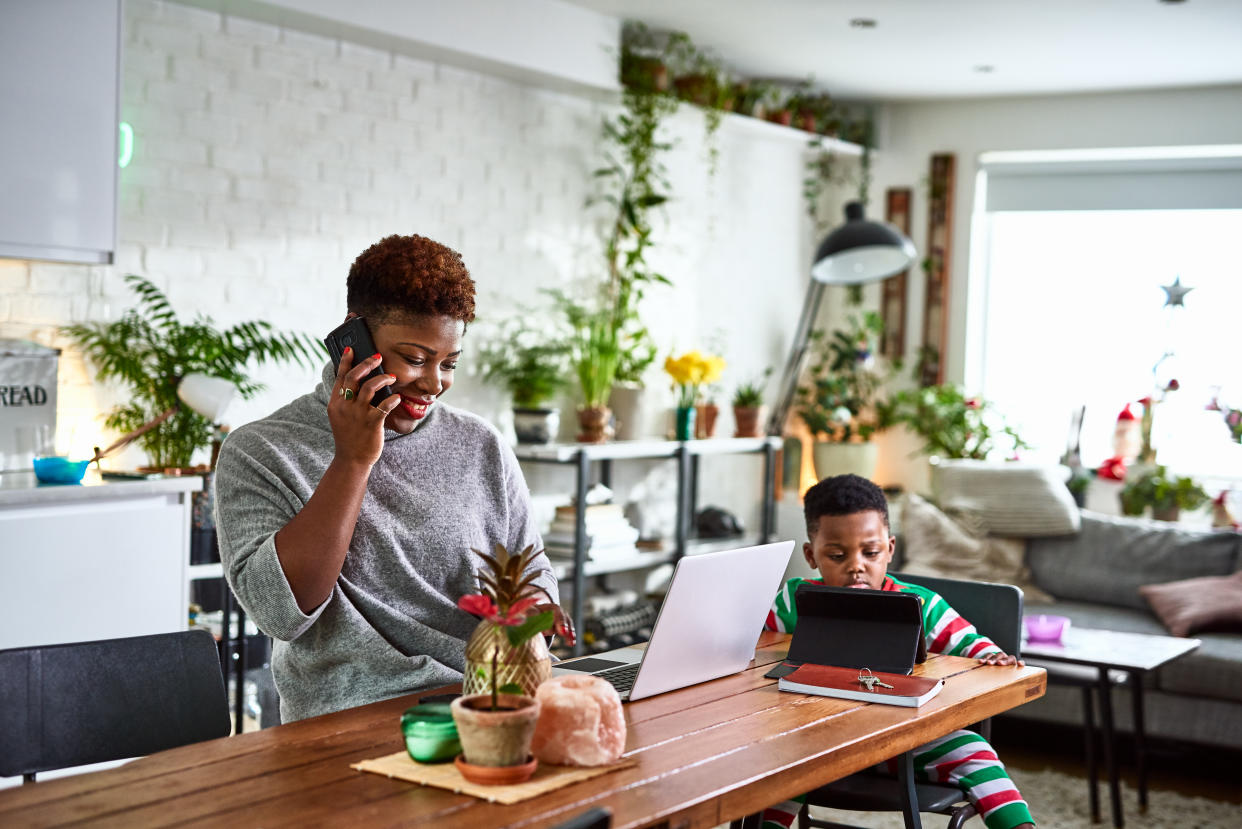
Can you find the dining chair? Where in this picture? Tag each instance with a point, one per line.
(111, 699)
(996, 611)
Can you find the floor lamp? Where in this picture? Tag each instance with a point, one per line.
(857, 252)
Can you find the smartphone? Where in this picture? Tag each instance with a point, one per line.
(355, 334)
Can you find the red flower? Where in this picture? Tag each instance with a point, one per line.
(972, 403)
(1145, 402)
(1173, 385)
(480, 605)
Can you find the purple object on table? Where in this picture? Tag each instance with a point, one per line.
(1046, 628)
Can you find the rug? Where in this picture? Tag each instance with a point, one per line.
(1059, 801)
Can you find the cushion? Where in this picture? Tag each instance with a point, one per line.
(1213, 671)
(937, 545)
(1011, 498)
(1206, 603)
(1112, 556)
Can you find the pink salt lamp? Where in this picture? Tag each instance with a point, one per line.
(580, 722)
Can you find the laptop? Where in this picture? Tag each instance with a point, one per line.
(855, 628)
(707, 628)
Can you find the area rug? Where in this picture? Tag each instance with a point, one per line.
(1059, 801)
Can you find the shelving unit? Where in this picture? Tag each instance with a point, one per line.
(588, 457)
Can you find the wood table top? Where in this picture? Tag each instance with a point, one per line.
(706, 755)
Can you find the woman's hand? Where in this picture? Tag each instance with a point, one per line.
(357, 426)
(1001, 659)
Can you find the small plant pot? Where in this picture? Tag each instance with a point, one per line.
(594, 424)
(536, 426)
(698, 89)
(705, 420)
(683, 423)
(784, 117)
(496, 738)
(645, 74)
(832, 458)
(746, 421)
(1165, 514)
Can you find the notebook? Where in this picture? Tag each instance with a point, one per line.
(707, 628)
(849, 627)
(846, 683)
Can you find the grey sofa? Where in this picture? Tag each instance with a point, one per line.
(1095, 575)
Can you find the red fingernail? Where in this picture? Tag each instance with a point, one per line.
(348, 350)
(375, 356)
(393, 376)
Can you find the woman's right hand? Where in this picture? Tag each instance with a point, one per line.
(357, 426)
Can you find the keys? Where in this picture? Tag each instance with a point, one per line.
(869, 681)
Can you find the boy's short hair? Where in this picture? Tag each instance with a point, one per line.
(409, 276)
(842, 495)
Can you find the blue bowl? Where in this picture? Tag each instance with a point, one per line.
(59, 470)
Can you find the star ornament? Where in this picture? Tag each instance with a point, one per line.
(1175, 294)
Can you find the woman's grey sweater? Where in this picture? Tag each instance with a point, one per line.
(391, 625)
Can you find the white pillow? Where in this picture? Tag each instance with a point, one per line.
(936, 544)
(1009, 498)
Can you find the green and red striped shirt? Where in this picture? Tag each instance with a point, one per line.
(944, 629)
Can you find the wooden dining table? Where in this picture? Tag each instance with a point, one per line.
(705, 755)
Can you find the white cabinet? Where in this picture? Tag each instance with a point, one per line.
(95, 561)
(59, 93)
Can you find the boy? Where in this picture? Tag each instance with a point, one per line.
(850, 546)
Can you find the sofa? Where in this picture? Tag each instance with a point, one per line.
(1098, 577)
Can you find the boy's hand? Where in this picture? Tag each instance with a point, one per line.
(1001, 659)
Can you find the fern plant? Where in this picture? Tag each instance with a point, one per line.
(149, 349)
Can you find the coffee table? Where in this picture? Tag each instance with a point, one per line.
(1108, 650)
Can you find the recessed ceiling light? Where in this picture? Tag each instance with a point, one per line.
(985, 68)
(863, 23)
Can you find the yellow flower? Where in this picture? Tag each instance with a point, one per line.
(691, 370)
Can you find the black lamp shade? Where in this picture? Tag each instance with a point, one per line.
(861, 251)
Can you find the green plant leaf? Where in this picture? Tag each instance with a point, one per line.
(510, 688)
(535, 623)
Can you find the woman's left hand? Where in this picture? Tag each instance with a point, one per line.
(1001, 659)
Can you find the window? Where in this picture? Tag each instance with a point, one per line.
(1074, 312)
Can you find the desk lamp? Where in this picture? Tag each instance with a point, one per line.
(856, 253)
(208, 396)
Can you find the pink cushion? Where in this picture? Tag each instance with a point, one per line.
(1191, 605)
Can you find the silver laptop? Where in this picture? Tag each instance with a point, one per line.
(707, 628)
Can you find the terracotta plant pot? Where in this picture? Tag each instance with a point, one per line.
(833, 458)
(496, 775)
(645, 74)
(746, 421)
(784, 117)
(496, 738)
(705, 420)
(593, 424)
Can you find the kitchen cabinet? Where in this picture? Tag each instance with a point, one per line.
(96, 560)
(59, 102)
(688, 455)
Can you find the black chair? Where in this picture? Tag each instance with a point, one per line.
(597, 818)
(996, 611)
(90, 702)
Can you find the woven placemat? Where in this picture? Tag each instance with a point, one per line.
(446, 776)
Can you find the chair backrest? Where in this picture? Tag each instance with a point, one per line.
(994, 609)
(596, 818)
(88, 702)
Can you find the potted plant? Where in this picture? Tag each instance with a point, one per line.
(532, 364)
(950, 423)
(775, 105)
(642, 66)
(1152, 486)
(149, 350)
(748, 406)
(689, 372)
(506, 659)
(839, 403)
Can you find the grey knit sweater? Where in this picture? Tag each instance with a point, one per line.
(391, 625)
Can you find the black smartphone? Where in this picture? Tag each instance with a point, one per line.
(355, 334)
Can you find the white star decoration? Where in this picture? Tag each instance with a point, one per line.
(1175, 293)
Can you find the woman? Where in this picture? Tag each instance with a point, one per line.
(345, 528)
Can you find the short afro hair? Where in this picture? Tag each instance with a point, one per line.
(409, 276)
(842, 495)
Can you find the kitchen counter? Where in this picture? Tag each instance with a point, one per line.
(23, 488)
(96, 560)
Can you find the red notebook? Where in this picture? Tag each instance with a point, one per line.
(830, 681)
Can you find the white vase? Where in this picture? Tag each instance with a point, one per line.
(629, 408)
(842, 458)
(536, 426)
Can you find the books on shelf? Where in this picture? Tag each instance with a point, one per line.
(842, 683)
(594, 552)
(593, 511)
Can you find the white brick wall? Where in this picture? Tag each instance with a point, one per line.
(267, 159)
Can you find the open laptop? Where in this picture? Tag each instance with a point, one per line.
(707, 627)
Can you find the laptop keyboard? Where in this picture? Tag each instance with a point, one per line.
(621, 678)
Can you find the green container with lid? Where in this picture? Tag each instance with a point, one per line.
(430, 733)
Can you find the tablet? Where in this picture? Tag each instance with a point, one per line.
(855, 628)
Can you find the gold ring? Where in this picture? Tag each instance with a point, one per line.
(348, 394)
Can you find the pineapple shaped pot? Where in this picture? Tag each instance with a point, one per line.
(526, 665)
(506, 649)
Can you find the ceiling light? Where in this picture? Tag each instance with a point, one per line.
(863, 23)
(985, 68)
